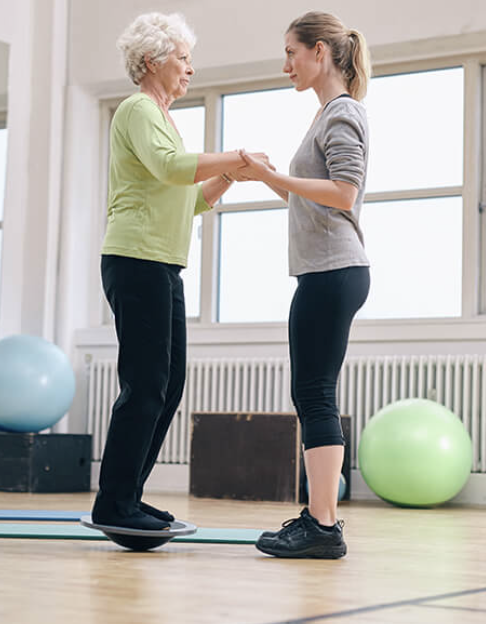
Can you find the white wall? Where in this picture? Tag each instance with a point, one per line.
(233, 32)
(36, 79)
(16, 29)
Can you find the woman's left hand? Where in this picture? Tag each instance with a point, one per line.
(256, 168)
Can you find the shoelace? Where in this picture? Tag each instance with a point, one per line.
(290, 524)
(291, 521)
(287, 523)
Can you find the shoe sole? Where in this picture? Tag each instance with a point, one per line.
(311, 553)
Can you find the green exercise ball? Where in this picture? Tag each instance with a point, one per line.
(415, 453)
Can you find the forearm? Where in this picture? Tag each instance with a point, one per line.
(279, 191)
(214, 188)
(333, 193)
(211, 165)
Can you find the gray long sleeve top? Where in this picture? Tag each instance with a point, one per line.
(335, 148)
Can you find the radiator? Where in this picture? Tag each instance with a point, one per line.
(211, 385)
(366, 385)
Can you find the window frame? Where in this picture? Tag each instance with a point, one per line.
(3, 126)
(389, 60)
(481, 159)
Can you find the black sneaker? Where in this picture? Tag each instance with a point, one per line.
(156, 513)
(304, 537)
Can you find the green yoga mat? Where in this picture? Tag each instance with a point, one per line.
(78, 532)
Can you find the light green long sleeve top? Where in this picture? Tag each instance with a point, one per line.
(152, 197)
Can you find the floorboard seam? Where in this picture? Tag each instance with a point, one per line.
(382, 607)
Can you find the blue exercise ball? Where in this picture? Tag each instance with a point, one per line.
(36, 384)
(342, 487)
(415, 453)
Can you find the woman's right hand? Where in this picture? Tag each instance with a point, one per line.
(259, 156)
(244, 173)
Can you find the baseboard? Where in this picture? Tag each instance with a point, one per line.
(473, 493)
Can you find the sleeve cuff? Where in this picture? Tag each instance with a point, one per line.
(201, 204)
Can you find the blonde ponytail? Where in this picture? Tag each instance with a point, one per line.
(359, 66)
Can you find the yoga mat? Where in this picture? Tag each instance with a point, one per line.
(78, 532)
(40, 515)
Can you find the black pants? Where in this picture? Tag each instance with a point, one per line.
(321, 313)
(147, 299)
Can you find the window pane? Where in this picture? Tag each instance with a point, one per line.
(254, 285)
(274, 122)
(192, 275)
(416, 130)
(3, 167)
(190, 123)
(415, 251)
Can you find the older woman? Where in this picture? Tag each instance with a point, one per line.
(325, 193)
(153, 197)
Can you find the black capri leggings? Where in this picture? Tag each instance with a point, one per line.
(321, 314)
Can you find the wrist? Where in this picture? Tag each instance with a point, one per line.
(241, 160)
(269, 176)
(226, 179)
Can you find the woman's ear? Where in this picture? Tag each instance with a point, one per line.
(320, 50)
(148, 63)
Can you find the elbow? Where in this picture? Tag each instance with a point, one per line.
(348, 205)
(178, 170)
(348, 193)
(344, 202)
(174, 177)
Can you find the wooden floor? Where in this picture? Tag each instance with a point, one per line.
(403, 566)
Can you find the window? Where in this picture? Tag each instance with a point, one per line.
(3, 171)
(254, 282)
(416, 130)
(482, 199)
(415, 251)
(254, 285)
(416, 151)
(419, 217)
(413, 233)
(190, 123)
(272, 121)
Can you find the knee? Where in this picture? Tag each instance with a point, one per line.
(315, 394)
(323, 431)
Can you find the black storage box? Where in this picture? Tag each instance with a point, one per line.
(34, 462)
(253, 456)
(245, 456)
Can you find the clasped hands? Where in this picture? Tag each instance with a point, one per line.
(255, 168)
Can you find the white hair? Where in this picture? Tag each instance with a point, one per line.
(154, 34)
